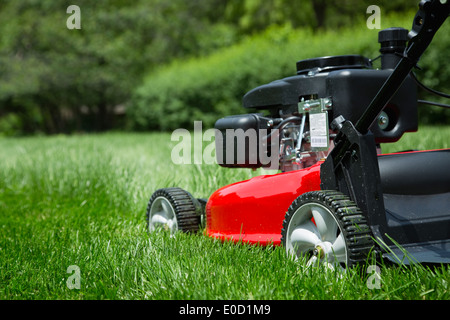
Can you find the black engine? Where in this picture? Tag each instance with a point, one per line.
(292, 116)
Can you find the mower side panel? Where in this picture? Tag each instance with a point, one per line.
(253, 211)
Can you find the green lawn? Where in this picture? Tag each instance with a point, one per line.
(81, 200)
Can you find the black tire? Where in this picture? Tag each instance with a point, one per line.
(180, 209)
(355, 236)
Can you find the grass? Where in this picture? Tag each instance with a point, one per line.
(427, 138)
(81, 200)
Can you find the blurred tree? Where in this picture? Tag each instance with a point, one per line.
(256, 15)
(59, 79)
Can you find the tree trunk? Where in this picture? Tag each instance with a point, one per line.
(320, 8)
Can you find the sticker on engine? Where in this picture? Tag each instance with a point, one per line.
(318, 123)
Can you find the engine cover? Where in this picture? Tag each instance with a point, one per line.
(350, 84)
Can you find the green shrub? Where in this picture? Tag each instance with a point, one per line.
(211, 87)
(10, 125)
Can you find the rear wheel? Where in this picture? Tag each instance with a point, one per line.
(328, 228)
(173, 209)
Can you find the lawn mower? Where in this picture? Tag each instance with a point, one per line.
(337, 197)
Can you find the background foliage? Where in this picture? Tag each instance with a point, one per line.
(157, 65)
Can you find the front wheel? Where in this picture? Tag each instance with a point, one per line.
(328, 228)
(174, 209)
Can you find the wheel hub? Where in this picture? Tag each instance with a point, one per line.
(162, 215)
(323, 250)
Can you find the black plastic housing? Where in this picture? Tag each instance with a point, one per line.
(351, 91)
